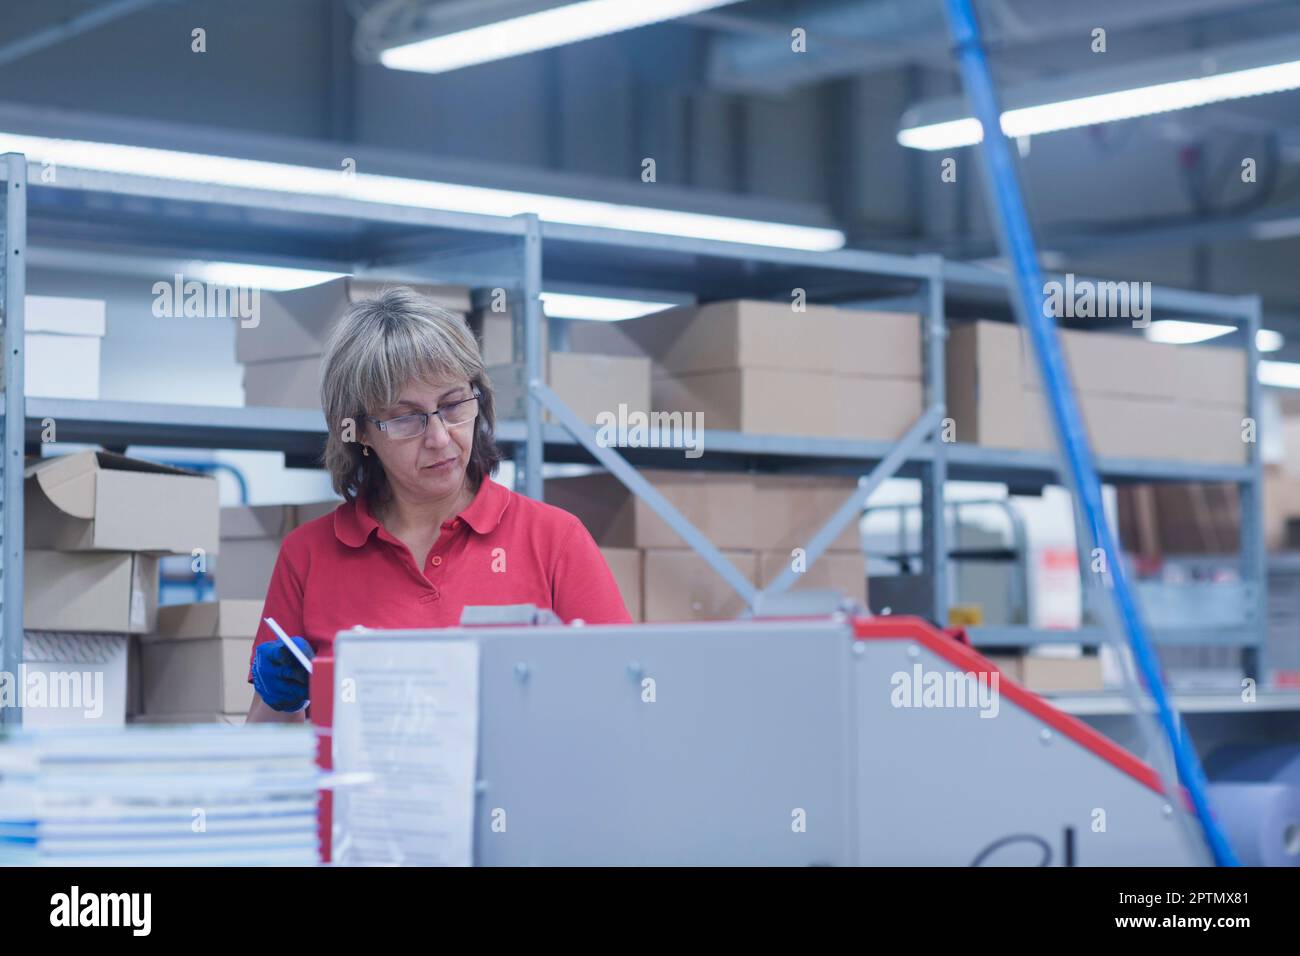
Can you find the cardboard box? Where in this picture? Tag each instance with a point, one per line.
(680, 586)
(1139, 399)
(1044, 674)
(89, 591)
(60, 366)
(790, 509)
(816, 404)
(877, 344)
(1182, 518)
(1132, 427)
(496, 337)
(739, 334)
(842, 571)
(63, 315)
(1289, 430)
(875, 409)
(720, 505)
(74, 680)
(607, 338)
(755, 400)
(589, 384)
(1281, 506)
(237, 619)
(196, 675)
(283, 383)
(61, 346)
(625, 564)
(296, 324)
(250, 544)
(197, 659)
(99, 501)
(1107, 363)
(738, 511)
(985, 392)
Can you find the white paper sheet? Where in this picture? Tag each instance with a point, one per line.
(405, 710)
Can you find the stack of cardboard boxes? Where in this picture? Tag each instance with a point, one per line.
(763, 367)
(62, 341)
(95, 526)
(588, 381)
(194, 663)
(250, 543)
(1139, 399)
(281, 352)
(757, 522)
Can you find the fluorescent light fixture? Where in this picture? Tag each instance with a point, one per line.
(1279, 374)
(1267, 340)
(540, 30)
(1271, 229)
(249, 275)
(1180, 332)
(418, 193)
(566, 306)
(1137, 97)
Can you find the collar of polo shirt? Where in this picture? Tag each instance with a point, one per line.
(353, 525)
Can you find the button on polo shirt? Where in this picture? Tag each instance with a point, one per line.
(344, 569)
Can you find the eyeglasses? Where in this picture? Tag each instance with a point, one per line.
(409, 426)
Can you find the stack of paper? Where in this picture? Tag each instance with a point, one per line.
(200, 795)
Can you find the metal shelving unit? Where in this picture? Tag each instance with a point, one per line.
(90, 211)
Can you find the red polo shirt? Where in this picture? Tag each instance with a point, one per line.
(345, 569)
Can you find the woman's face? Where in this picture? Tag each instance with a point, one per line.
(431, 465)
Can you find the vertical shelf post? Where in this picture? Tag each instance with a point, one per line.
(1254, 571)
(934, 536)
(534, 360)
(15, 290)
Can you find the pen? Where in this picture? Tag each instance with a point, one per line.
(284, 639)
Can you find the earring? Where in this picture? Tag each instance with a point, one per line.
(365, 450)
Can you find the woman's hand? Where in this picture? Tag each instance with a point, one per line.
(278, 678)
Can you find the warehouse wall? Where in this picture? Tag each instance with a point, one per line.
(597, 108)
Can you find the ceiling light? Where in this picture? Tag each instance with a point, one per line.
(1178, 332)
(1267, 340)
(419, 193)
(1158, 86)
(566, 306)
(249, 275)
(1280, 374)
(539, 30)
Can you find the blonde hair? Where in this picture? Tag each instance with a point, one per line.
(379, 346)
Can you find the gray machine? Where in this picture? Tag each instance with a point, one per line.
(806, 742)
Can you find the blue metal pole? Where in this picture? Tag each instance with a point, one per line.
(1018, 246)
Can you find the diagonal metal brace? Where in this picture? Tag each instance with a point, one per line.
(852, 508)
(632, 479)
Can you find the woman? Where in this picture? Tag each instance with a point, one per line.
(423, 530)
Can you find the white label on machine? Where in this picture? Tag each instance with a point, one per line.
(405, 711)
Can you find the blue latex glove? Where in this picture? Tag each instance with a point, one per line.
(278, 678)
